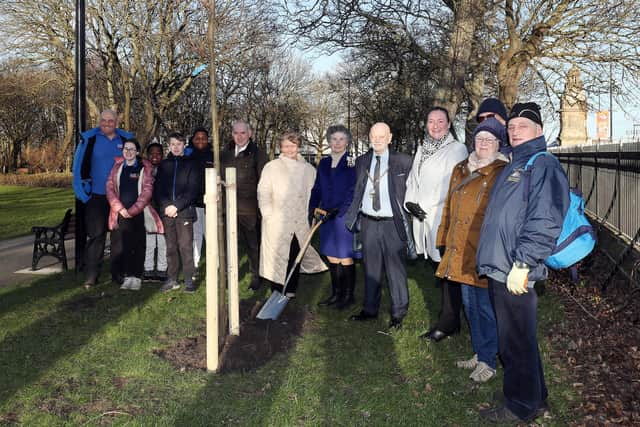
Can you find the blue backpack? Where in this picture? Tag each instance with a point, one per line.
(577, 237)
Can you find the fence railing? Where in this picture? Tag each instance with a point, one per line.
(609, 177)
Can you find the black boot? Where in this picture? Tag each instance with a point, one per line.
(335, 286)
(348, 286)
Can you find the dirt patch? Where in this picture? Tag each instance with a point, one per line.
(598, 344)
(259, 340)
(9, 419)
(58, 406)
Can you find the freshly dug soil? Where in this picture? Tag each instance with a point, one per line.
(259, 340)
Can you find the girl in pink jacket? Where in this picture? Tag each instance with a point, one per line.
(129, 191)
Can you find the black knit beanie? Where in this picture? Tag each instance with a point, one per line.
(528, 110)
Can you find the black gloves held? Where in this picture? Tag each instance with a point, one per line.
(416, 210)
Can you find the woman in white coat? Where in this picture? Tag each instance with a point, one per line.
(283, 198)
(427, 188)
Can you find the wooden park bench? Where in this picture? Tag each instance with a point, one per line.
(50, 240)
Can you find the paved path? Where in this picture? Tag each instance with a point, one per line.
(15, 255)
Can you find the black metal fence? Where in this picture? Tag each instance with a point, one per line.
(609, 177)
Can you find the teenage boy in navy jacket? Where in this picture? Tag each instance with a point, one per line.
(176, 192)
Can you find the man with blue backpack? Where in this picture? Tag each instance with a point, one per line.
(523, 220)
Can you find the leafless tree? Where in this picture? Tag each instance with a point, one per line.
(41, 32)
(478, 45)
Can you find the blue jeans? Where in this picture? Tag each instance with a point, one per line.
(482, 323)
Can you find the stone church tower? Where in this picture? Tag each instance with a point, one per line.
(573, 111)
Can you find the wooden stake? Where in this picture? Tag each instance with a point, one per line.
(211, 203)
(232, 251)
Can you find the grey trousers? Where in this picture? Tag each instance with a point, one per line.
(384, 252)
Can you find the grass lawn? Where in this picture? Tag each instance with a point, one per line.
(24, 207)
(76, 357)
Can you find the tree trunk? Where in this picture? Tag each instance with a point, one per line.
(457, 58)
(223, 314)
(66, 150)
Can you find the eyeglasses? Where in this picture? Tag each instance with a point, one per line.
(485, 117)
(486, 140)
(129, 149)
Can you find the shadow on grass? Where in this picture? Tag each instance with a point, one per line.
(12, 300)
(324, 379)
(29, 352)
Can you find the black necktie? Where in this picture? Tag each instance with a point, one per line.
(376, 185)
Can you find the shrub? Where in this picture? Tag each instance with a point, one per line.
(49, 180)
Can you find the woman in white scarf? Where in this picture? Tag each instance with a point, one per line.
(427, 188)
(428, 181)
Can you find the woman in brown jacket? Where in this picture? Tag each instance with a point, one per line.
(458, 237)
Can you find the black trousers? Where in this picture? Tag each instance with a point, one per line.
(516, 317)
(383, 252)
(450, 304)
(96, 225)
(292, 286)
(128, 244)
(178, 234)
(249, 233)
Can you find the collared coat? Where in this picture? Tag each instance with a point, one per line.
(249, 164)
(461, 221)
(283, 198)
(427, 186)
(333, 189)
(399, 166)
(152, 221)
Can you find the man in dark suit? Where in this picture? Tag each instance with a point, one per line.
(377, 201)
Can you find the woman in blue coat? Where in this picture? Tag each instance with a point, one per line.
(332, 192)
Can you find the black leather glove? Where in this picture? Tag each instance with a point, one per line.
(331, 213)
(416, 210)
(320, 214)
(442, 250)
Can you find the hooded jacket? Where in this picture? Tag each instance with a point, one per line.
(521, 225)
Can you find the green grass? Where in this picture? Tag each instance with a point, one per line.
(24, 207)
(96, 365)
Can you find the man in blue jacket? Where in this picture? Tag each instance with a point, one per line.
(92, 163)
(522, 223)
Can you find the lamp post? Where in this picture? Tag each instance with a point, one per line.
(348, 80)
(80, 121)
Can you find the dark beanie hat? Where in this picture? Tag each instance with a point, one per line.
(134, 142)
(492, 105)
(494, 127)
(528, 110)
